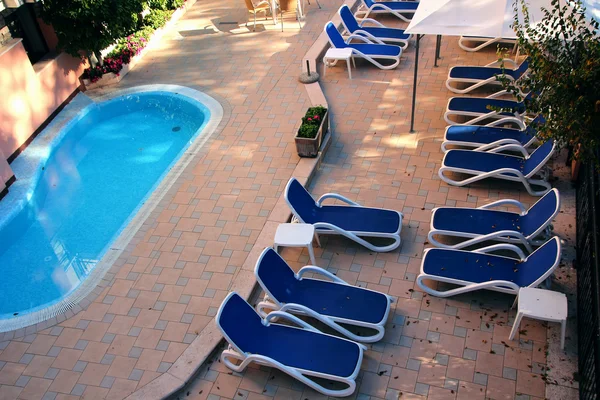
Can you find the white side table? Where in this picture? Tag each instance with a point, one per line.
(333, 55)
(544, 305)
(296, 235)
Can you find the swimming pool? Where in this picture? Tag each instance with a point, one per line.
(98, 171)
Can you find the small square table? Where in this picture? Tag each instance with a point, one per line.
(296, 235)
(544, 305)
(333, 55)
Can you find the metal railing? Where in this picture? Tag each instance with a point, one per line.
(588, 281)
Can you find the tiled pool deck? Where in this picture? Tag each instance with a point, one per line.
(168, 283)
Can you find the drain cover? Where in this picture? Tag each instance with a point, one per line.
(176, 129)
(228, 23)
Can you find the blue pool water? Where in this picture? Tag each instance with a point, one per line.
(96, 177)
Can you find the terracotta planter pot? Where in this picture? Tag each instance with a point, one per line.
(309, 147)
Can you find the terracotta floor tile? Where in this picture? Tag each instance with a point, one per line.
(226, 385)
(500, 388)
(531, 384)
(461, 369)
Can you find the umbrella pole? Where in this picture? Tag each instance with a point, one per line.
(438, 44)
(414, 96)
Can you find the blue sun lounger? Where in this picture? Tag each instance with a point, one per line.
(332, 303)
(353, 221)
(401, 9)
(302, 352)
(484, 138)
(478, 110)
(370, 49)
(527, 169)
(379, 31)
(476, 77)
(475, 270)
(529, 227)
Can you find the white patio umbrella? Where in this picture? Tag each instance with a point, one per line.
(487, 18)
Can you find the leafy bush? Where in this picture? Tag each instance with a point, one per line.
(564, 72)
(158, 4)
(311, 122)
(122, 54)
(157, 18)
(175, 4)
(91, 25)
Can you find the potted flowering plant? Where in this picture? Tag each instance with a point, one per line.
(311, 132)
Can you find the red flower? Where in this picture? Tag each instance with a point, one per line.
(316, 117)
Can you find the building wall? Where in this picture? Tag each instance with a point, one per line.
(31, 93)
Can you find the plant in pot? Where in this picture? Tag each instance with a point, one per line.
(564, 73)
(311, 132)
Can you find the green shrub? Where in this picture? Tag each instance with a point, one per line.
(157, 18)
(311, 122)
(159, 4)
(175, 4)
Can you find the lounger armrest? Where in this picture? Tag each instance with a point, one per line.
(502, 246)
(375, 22)
(510, 147)
(336, 197)
(492, 236)
(367, 39)
(462, 289)
(504, 60)
(501, 203)
(313, 314)
(497, 143)
(497, 94)
(292, 318)
(318, 270)
(372, 38)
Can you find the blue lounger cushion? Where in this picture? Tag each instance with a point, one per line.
(487, 134)
(483, 73)
(375, 50)
(353, 219)
(487, 162)
(352, 25)
(479, 268)
(484, 221)
(326, 298)
(483, 105)
(395, 5)
(293, 347)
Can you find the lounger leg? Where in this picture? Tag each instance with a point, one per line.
(349, 68)
(516, 325)
(317, 239)
(311, 254)
(563, 332)
(254, 30)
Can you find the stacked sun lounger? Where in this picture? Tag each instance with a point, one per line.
(477, 149)
(370, 39)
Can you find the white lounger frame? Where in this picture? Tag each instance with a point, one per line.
(537, 238)
(484, 42)
(403, 43)
(325, 228)
(498, 117)
(270, 304)
(497, 286)
(363, 12)
(370, 39)
(233, 354)
(527, 180)
(484, 147)
(477, 83)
